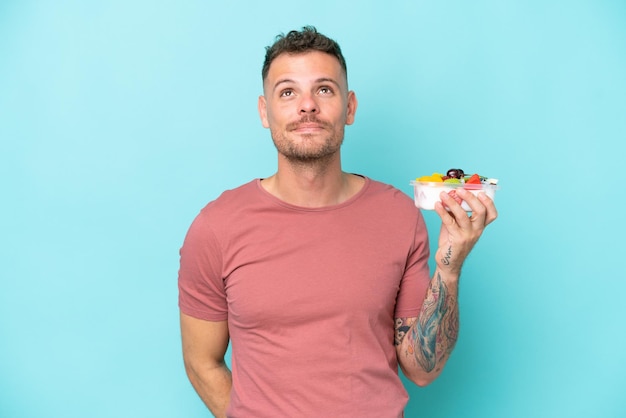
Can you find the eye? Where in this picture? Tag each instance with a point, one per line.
(286, 93)
(325, 90)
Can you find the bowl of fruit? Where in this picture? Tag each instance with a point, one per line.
(426, 189)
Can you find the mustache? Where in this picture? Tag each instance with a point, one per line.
(307, 119)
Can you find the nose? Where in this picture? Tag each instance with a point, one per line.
(308, 104)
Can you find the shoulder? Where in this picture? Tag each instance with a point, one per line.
(231, 200)
(236, 195)
(227, 207)
(389, 195)
(392, 206)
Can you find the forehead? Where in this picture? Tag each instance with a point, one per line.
(302, 67)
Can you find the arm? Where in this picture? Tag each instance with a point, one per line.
(425, 343)
(204, 347)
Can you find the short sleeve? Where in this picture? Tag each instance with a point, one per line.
(201, 291)
(416, 277)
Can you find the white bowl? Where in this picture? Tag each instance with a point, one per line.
(426, 194)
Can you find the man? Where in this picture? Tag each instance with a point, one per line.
(317, 277)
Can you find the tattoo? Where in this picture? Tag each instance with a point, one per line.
(436, 330)
(402, 327)
(446, 258)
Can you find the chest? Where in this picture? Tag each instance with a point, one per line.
(282, 272)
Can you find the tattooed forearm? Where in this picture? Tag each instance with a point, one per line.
(402, 328)
(436, 330)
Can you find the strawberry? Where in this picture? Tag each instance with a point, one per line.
(474, 179)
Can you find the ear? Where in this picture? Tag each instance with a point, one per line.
(352, 105)
(262, 105)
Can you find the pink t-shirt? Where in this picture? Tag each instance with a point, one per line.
(310, 296)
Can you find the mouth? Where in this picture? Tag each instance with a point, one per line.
(307, 126)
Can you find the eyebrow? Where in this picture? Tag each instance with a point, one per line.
(318, 81)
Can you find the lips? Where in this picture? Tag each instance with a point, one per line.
(307, 125)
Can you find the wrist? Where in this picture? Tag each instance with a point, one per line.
(448, 273)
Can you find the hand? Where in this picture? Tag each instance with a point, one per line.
(460, 232)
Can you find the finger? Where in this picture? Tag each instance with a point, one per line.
(454, 209)
(491, 211)
(479, 211)
(446, 218)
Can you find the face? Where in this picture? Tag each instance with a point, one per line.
(306, 105)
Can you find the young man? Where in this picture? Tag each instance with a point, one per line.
(317, 277)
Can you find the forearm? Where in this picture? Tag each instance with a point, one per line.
(431, 336)
(425, 343)
(213, 385)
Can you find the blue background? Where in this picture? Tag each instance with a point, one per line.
(120, 119)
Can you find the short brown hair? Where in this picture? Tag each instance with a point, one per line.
(297, 42)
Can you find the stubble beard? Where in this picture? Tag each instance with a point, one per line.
(303, 151)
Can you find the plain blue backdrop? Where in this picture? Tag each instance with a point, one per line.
(119, 120)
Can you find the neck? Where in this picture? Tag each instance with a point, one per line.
(316, 184)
